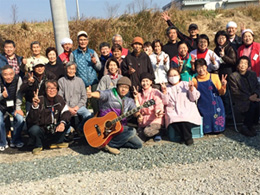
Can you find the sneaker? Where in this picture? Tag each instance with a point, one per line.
(19, 145)
(12, 145)
(112, 150)
(157, 138)
(37, 151)
(189, 142)
(2, 148)
(60, 145)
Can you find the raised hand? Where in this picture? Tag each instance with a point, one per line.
(158, 59)
(191, 85)
(212, 58)
(223, 80)
(222, 52)
(165, 16)
(5, 93)
(93, 59)
(163, 88)
(159, 114)
(165, 59)
(89, 93)
(30, 78)
(36, 99)
(135, 92)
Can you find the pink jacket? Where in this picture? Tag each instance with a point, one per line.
(254, 56)
(149, 113)
(181, 104)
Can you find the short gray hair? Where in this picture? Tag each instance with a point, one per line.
(117, 35)
(70, 63)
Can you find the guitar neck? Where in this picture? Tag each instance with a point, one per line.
(127, 114)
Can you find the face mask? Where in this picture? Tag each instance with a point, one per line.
(173, 80)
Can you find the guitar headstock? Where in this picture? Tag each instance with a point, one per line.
(149, 103)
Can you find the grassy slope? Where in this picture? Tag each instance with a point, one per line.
(146, 24)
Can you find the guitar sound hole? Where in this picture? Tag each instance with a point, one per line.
(108, 125)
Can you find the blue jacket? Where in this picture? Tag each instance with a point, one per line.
(86, 70)
(4, 61)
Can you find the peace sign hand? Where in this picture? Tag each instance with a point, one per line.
(5, 93)
(191, 85)
(165, 59)
(163, 88)
(180, 62)
(212, 58)
(223, 80)
(158, 59)
(135, 92)
(93, 59)
(222, 52)
(30, 78)
(36, 99)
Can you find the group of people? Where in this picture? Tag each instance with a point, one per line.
(190, 84)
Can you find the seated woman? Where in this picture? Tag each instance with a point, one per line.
(109, 81)
(181, 110)
(212, 60)
(152, 116)
(55, 65)
(210, 104)
(184, 62)
(245, 90)
(160, 62)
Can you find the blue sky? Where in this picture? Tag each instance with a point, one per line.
(39, 10)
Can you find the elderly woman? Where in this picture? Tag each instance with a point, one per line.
(246, 92)
(250, 49)
(55, 65)
(210, 104)
(184, 62)
(180, 103)
(160, 62)
(212, 60)
(152, 116)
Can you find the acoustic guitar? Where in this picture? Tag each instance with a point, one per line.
(100, 130)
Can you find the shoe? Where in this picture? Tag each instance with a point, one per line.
(2, 148)
(157, 138)
(189, 142)
(60, 145)
(37, 151)
(19, 145)
(112, 150)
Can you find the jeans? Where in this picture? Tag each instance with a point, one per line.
(127, 139)
(85, 115)
(16, 133)
(38, 136)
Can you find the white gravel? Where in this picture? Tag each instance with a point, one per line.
(236, 176)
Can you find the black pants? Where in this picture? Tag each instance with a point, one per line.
(38, 136)
(94, 101)
(252, 115)
(184, 130)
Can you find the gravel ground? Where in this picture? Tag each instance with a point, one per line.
(223, 164)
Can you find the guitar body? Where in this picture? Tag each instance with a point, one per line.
(97, 132)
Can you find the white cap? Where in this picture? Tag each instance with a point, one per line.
(231, 24)
(37, 62)
(247, 30)
(82, 33)
(66, 40)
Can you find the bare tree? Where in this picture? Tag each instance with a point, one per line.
(111, 9)
(14, 13)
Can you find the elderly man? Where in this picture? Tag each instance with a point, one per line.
(48, 118)
(36, 54)
(9, 57)
(117, 39)
(235, 40)
(10, 102)
(171, 48)
(66, 56)
(136, 63)
(87, 64)
(34, 81)
(73, 91)
(115, 100)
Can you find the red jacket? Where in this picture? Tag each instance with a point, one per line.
(254, 56)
